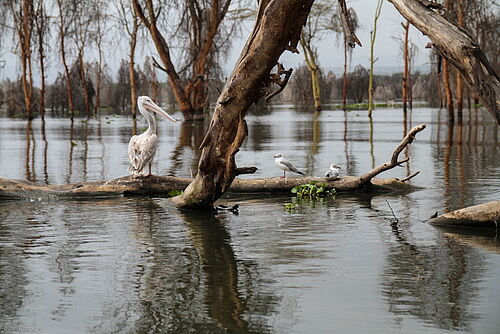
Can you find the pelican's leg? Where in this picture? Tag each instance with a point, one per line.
(149, 169)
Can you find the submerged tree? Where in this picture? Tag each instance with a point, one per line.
(350, 25)
(42, 32)
(23, 18)
(66, 13)
(321, 19)
(131, 22)
(373, 35)
(406, 73)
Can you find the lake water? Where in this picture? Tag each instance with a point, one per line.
(343, 265)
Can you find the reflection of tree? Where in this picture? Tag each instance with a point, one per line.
(190, 136)
(435, 283)
(45, 152)
(259, 133)
(178, 282)
(30, 153)
(12, 268)
(70, 155)
(315, 141)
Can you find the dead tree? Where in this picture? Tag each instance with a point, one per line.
(23, 17)
(406, 73)
(349, 24)
(191, 95)
(41, 28)
(458, 48)
(65, 17)
(318, 23)
(228, 129)
(131, 23)
(373, 35)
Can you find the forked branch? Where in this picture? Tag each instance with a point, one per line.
(407, 140)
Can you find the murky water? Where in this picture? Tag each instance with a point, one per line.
(136, 265)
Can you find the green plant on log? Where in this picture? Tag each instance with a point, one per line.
(173, 193)
(313, 190)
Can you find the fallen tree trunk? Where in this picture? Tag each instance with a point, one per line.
(482, 215)
(154, 185)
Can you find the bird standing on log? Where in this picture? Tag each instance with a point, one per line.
(142, 148)
(285, 165)
(333, 172)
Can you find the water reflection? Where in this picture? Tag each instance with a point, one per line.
(435, 283)
(72, 144)
(30, 153)
(45, 153)
(190, 136)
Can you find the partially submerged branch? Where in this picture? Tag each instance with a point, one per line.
(408, 139)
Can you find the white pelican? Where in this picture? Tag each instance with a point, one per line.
(285, 165)
(333, 172)
(142, 148)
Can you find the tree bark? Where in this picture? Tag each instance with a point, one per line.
(278, 27)
(459, 49)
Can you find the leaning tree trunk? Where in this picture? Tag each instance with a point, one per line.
(278, 27)
(458, 48)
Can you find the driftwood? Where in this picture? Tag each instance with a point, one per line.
(153, 185)
(482, 215)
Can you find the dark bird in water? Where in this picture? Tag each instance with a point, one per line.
(233, 209)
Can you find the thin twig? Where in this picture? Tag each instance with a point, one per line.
(397, 220)
(410, 177)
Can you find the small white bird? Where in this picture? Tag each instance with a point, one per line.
(142, 148)
(285, 165)
(333, 172)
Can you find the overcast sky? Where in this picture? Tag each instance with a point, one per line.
(330, 48)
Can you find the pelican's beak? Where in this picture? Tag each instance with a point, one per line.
(154, 107)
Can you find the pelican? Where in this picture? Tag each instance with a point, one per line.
(333, 172)
(142, 148)
(285, 165)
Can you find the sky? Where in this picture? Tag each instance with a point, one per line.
(330, 48)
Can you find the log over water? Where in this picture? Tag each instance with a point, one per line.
(482, 215)
(154, 185)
